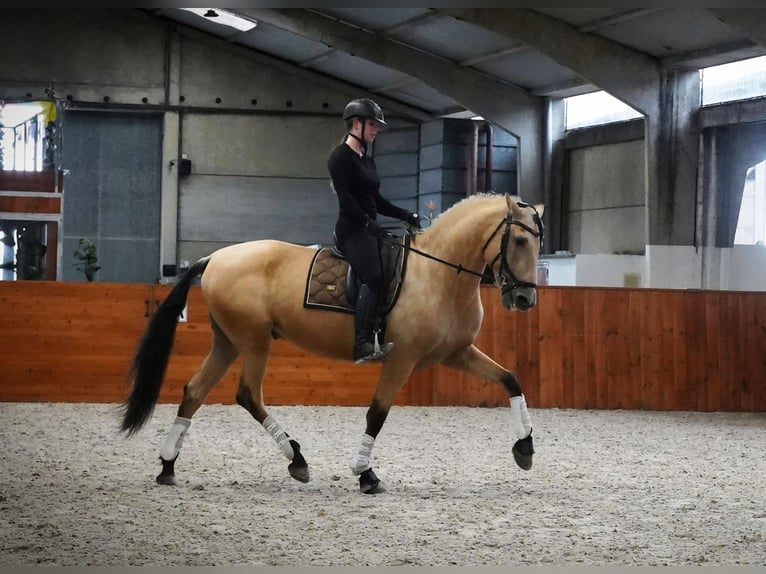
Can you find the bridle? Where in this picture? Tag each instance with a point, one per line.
(505, 278)
(501, 279)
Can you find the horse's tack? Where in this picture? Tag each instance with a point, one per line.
(328, 277)
(500, 278)
(328, 285)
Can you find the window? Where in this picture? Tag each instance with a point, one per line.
(734, 81)
(30, 192)
(24, 250)
(751, 225)
(22, 135)
(594, 109)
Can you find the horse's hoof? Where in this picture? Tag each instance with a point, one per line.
(377, 489)
(166, 479)
(168, 475)
(298, 468)
(299, 472)
(523, 451)
(369, 483)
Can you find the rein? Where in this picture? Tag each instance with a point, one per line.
(500, 279)
(460, 268)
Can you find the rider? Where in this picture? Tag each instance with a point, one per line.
(356, 183)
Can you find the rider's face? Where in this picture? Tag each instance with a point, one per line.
(371, 129)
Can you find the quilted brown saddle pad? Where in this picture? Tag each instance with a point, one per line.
(326, 282)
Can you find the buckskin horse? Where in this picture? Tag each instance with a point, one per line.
(254, 293)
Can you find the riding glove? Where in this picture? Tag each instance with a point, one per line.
(414, 220)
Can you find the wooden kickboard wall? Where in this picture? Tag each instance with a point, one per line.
(579, 348)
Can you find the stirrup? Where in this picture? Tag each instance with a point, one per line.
(378, 353)
(376, 356)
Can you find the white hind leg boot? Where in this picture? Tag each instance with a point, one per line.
(175, 439)
(522, 426)
(360, 460)
(279, 435)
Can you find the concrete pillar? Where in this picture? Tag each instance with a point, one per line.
(170, 158)
(554, 183)
(672, 144)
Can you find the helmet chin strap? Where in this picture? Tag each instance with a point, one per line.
(360, 139)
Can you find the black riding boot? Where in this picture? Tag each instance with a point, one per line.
(365, 350)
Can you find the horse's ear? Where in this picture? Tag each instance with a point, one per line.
(514, 205)
(540, 208)
(511, 200)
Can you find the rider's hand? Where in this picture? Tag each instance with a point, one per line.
(374, 228)
(414, 220)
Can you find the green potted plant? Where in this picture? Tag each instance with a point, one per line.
(86, 258)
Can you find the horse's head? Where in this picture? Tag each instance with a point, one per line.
(515, 265)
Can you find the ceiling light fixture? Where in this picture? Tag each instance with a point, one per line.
(224, 18)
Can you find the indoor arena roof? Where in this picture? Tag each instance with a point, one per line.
(368, 47)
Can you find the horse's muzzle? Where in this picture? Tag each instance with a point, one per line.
(521, 298)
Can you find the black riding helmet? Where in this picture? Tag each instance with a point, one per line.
(362, 108)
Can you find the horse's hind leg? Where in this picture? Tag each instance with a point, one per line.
(210, 372)
(250, 397)
(473, 361)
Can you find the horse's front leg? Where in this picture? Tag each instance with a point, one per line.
(473, 361)
(392, 378)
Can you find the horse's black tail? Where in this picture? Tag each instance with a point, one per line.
(150, 361)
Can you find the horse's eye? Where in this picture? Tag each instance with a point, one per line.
(520, 241)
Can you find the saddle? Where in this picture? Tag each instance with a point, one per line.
(333, 285)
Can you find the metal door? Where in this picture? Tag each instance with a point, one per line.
(112, 193)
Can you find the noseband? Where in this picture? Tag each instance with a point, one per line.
(505, 278)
